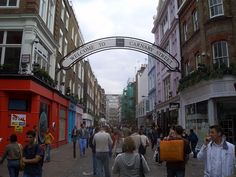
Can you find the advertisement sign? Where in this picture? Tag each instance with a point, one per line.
(18, 120)
(18, 129)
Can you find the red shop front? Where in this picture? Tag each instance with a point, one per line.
(26, 103)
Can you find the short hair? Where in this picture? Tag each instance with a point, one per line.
(129, 145)
(31, 132)
(217, 128)
(179, 129)
(13, 138)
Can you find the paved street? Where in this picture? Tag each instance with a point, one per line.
(63, 165)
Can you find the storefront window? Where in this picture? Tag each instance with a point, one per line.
(197, 118)
(62, 124)
(18, 105)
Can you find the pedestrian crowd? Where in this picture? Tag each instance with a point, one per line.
(128, 148)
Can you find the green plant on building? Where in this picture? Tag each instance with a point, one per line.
(206, 73)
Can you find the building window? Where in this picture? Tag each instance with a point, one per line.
(42, 57)
(167, 47)
(51, 15)
(195, 20)
(62, 10)
(43, 10)
(65, 47)
(220, 53)
(216, 8)
(10, 48)
(72, 33)
(76, 40)
(185, 31)
(187, 68)
(9, 3)
(198, 59)
(165, 24)
(167, 88)
(18, 104)
(67, 20)
(60, 41)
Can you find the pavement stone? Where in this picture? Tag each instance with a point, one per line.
(64, 165)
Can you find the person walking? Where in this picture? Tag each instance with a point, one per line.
(93, 148)
(129, 163)
(118, 143)
(48, 138)
(144, 140)
(32, 156)
(74, 137)
(217, 153)
(193, 139)
(177, 169)
(137, 139)
(13, 152)
(83, 135)
(102, 141)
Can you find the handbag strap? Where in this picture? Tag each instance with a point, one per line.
(141, 163)
(20, 147)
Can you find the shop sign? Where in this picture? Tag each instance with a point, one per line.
(18, 120)
(25, 58)
(18, 129)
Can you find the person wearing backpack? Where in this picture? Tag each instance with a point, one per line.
(32, 156)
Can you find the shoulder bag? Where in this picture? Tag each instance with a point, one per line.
(141, 172)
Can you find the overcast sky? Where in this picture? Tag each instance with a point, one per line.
(105, 18)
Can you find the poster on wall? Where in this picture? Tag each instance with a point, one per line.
(43, 121)
(18, 120)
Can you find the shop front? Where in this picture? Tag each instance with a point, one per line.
(26, 103)
(208, 103)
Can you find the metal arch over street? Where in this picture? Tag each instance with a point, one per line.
(120, 42)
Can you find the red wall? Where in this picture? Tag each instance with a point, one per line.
(35, 94)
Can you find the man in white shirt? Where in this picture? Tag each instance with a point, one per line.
(217, 153)
(102, 141)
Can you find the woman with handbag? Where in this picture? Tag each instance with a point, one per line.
(130, 163)
(13, 154)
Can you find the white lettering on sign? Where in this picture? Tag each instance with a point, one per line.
(120, 42)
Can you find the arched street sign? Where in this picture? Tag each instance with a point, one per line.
(120, 42)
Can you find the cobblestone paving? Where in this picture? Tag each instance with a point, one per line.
(64, 165)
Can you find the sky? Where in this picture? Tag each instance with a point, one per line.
(105, 18)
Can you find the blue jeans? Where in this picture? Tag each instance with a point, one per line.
(82, 145)
(103, 164)
(13, 167)
(47, 152)
(174, 172)
(94, 163)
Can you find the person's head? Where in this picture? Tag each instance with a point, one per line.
(216, 132)
(82, 125)
(191, 131)
(179, 130)
(13, 138)
(30, 135)
(129, 145)
(141, 130)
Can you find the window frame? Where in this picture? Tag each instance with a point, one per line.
(195, 20)
(215, 5)
(4, 45)
(185, 31)
(216, 59)
(11, 7)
